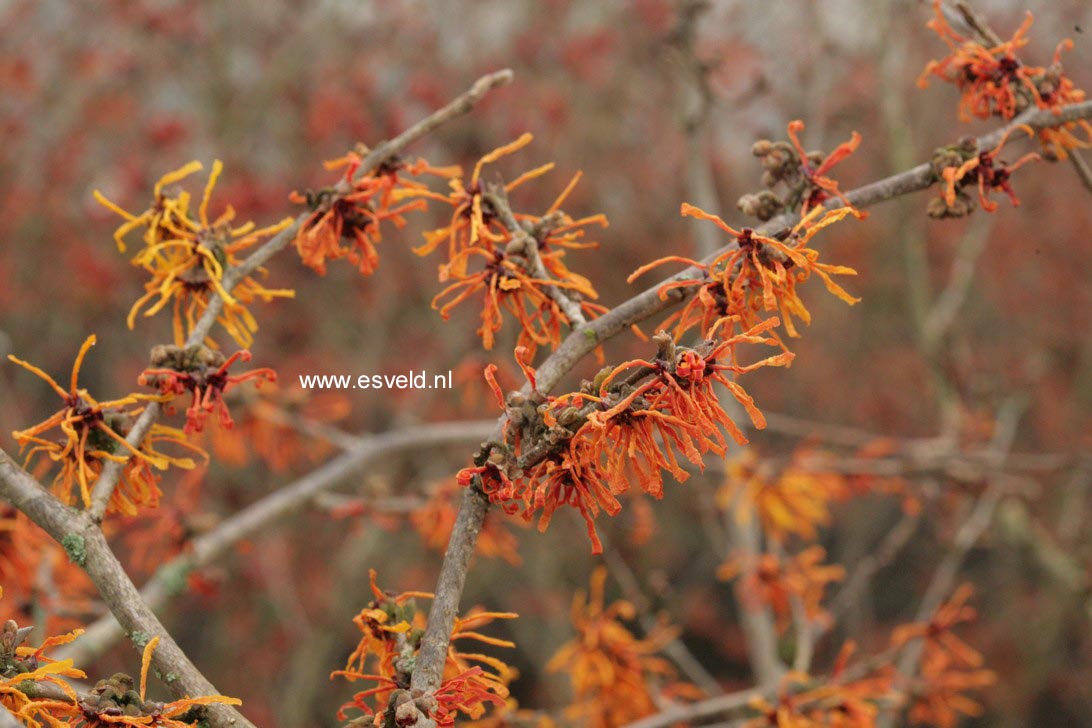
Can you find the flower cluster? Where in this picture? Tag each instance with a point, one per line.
(995, 82)
(614, 673)
(202, 372)
(520, 258)
(345, 219)
(758, 275)
(391, 629)
(834, 703)
(633, 423)
(188, 258)
(94, 433)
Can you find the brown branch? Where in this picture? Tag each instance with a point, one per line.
(696, 98)
(259, 516)
(108, 479)
(675, 648)
(430, 661)
(974, 525)
(86, 545)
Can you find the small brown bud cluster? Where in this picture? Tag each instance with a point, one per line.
(780, 164)
(11, 636)
(409, 707)
(117, 696)
(195, 358)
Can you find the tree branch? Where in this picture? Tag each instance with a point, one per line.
(428, 673)
(259, 516)
(86, 545)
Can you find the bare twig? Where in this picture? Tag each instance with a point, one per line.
(696, 99)
(254, 519)
(978, 519)
(675, 649)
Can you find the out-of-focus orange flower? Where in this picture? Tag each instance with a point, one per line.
(281, 428)
(188, 257)
(346, 219)
(949, 666)
(775, 581)
(760, 274)
(30, 561)
(204, 374)
(435, 520)
(93, 433)
(792, 502)
(937, 632)
(941, 698)
(805, 702)
(613, 672)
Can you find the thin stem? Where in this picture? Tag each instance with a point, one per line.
(261, 515)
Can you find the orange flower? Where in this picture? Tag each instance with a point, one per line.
(820, 187)
(793, 502)
(188, 258)
(204, 374)
(760, 274)
(27, 554)
(612, 671)
(776, 581)
(510, 277)
(644, 415)
(435, 520)
(505, 284)
(474, 223)
(992, 80)
(941, 698)
(392, 629)
(937, 632)
(22, 666)
(986, 173)
(94, 433)
(352, 210)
